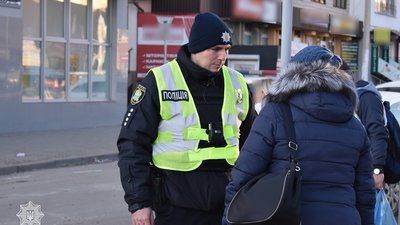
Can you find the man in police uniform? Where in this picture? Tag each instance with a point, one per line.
(180, 135)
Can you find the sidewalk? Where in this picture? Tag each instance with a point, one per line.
(49, 149)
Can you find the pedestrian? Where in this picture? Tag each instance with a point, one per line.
(181, 134)
(260, 92)
(372, 115)
(333, 148)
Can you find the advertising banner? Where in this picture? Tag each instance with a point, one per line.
(350, 54)
(343, 25)
(159, 39)
(256, 10)
(382, 35)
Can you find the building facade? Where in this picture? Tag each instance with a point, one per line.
(256, 27)
(384, 32)
(258, 23)
(72, 63)
(63, 64)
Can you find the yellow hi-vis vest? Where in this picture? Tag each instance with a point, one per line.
(179, 132)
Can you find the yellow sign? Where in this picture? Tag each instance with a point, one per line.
(382, 35)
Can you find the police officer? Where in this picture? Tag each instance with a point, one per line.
(182, 130)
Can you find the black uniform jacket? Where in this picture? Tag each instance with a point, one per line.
(194, 189)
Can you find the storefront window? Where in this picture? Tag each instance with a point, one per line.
(100, 67)
(78, 63)
(319, 1)
(340, 4)
(247, 37)
(31, 70)
(100, 21)
(78, 72)
(54, 82)
(55, 18)
(79, 19)
(32, 18)
(264, 39)
(387, 7)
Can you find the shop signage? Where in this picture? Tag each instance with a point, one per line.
(343, 25)
(382, 36)
(256, 10)
(350, 54)
(156, 43)
(314, 17)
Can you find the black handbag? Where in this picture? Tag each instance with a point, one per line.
(271, 199)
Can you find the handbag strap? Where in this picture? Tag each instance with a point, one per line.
(289, 128)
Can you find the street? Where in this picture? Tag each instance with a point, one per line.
(82, 195)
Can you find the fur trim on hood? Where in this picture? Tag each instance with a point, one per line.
(315, 77)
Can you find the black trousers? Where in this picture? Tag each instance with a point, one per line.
(173, 215)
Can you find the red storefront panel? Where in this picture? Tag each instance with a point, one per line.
(156, 31)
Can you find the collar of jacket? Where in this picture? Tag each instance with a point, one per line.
(191, 69)
(319, 76)
(364, 86)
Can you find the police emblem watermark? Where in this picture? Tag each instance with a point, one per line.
(10, 3)
(30, 214)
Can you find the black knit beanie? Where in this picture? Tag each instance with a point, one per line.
(207, 31)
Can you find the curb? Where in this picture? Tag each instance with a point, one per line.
(59, 163)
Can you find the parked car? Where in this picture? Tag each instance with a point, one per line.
(80, 89)
(393, 86)
(394, 99)
(390, 92)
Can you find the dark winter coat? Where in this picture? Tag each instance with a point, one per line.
(371, 114)
(334, 150)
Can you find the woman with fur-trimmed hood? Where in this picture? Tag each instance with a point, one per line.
(334, 150)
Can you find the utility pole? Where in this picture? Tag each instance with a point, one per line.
(286, 35)
(366, 45)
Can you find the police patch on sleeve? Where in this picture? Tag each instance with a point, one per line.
(138, 95)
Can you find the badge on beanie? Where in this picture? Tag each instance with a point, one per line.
(226, 38)
(138, 95)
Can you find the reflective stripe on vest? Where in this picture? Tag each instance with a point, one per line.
(179, 131)
(233, 114)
